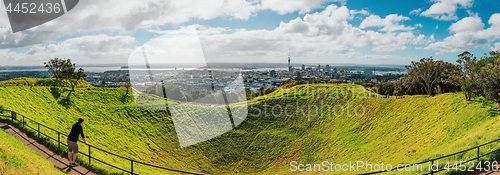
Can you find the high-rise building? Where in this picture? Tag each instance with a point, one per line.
(327, 67)
(272, 73)
(289, 67)
(303, 67)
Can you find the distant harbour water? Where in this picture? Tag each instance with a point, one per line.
(104, 69)
(100, 69)
(87, 69)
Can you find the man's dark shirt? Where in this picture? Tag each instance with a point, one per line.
(76, 130)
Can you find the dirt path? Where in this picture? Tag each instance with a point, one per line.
(485, 173)
(58, 160)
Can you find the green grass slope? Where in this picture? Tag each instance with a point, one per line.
(370, 129)
(23, 81)
(17, 158)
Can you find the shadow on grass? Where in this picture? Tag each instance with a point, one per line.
(61, 169)
(125, 98)
(489, 105)
(55, 92)
(65, 101)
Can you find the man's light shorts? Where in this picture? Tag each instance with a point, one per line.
(72, 146)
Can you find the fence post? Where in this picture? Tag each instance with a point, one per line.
(478, 154)
(89, 154)
(132, 167)
(59, 140)
(38, 130)
(23, 121)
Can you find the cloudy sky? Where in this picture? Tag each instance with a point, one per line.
(310, 31)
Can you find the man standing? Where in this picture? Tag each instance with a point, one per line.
(72, 141)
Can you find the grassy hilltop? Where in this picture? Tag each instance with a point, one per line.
(391, 130)
(17, 158)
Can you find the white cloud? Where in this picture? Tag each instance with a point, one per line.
(422, 39)
(415, 11)
(52, 48)
(494, 29)
(467, 37)
(295, 26)
(115, 15)
(446, 9)
(389, 23)
(12, 58)
(35, 49)
(317, 35)
(330, 21)
(495, 20)
(441, 11)
(463, 3)
(304, 6)
(458, 42)
(325, 32)
(99, 43)
(85, 49)
(496, 47)
(472, 23)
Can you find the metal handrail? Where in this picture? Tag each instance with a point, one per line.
(442, 157)
(14, 117)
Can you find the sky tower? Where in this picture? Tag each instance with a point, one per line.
(289, 67)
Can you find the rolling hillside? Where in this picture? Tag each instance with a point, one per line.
(17, 158)
(390, 130)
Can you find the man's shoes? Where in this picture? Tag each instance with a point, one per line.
(76, 164)
(71, 164)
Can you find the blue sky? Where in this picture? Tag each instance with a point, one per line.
(315, 31)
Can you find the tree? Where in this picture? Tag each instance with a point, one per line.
(480, 77)
(69, 73)
(466, 77)
(365, 83)
(487, 82)
(385, 88)
(314, 81)
(289, 83)
(298, 77)
(248, 93)
(399, 87)
(56, 66)
(429, 72)
(127, 85)
(263, 90)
